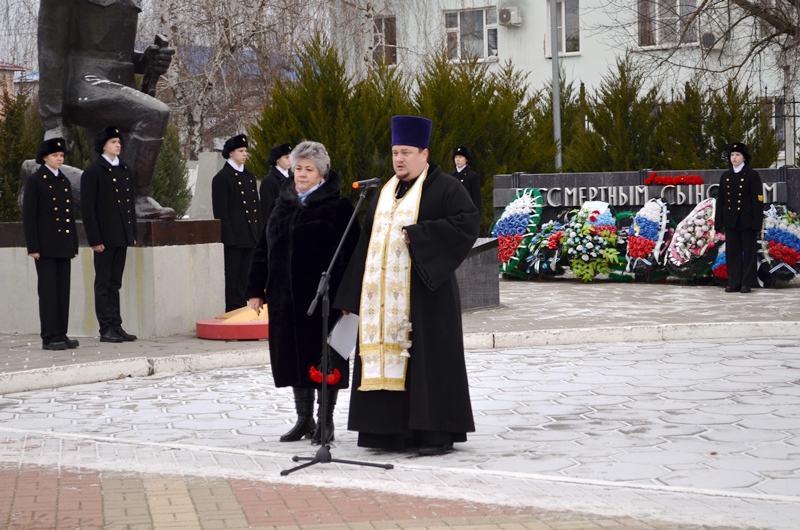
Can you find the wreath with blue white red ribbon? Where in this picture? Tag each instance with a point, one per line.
(780, 242)
(646, 237)
(514, 231)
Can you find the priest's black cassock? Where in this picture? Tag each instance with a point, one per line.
(435, 407)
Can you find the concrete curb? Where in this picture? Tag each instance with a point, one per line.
(655, 333)
(93, 372)
(209, 361)
(76, 374)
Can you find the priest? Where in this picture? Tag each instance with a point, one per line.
(410, 389)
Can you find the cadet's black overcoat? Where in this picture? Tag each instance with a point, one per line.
(48, 215)
(234, 200)
(437, 393)
(740, 200)
(270, 189)
(48, 218)
(740, 212)
(109, 214)
(472, 181)
(287, 265)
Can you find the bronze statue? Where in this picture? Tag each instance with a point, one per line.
(87, 67)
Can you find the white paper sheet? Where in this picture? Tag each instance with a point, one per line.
(344, 335)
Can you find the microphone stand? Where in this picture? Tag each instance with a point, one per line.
(323, 455)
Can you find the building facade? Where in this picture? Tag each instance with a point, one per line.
(676, 41)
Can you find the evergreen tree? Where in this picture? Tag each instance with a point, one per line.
(81, 147)
(21, 133)
(170, 185)
(622, 125)
(381, 95)
(681, 137)
(733, 117)
(541, 152)
(312, 104)
(490, 114)
(509, 146)
(456, 97)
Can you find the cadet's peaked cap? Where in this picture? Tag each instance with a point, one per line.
(233, 143)
(411, 130)
(278, 151)
(739, 147)
(48, 147)
(461, 150)
(112, 131)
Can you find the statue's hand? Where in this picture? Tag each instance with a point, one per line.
(158, 58)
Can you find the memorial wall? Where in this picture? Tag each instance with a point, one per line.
(627, 190)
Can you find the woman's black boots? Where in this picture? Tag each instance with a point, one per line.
(330, 403)
(304, 404)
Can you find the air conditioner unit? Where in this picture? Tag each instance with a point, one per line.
(711, 40)
(509, 16)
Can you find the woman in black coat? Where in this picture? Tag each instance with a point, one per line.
(740, 212)
(302, 233)
(48, 217)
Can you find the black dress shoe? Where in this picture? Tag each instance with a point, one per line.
(730, 289)
(745, 289)
(71, 343)
(127, 337)
(57, 345)
(433, 450)
(111, 336)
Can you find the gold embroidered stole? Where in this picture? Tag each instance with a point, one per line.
(386, 289)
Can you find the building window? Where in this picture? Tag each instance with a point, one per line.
(568, 25)
(384, 40)
(471, 33)
(667, 22)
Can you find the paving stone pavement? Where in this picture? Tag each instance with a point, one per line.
(606, 433)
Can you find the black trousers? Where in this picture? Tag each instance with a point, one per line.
(53, 287)
(740, 257)
(108, 268)
(237, 267)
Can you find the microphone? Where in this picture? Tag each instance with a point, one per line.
(371, 183)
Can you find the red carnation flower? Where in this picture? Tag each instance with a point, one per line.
(332, 379)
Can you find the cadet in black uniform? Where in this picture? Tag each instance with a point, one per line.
(469, 178)
(234, 199)
(275, 179)
(109, 217)
(740, 212)
(49, 221)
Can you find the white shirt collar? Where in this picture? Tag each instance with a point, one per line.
(284, 172)
(460, 169)
(234, 166)
(114, 162)
(738, 168)
(53, 171)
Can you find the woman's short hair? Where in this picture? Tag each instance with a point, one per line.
(313, 151)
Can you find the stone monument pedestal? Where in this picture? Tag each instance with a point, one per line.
(478, 279)
(173, 277)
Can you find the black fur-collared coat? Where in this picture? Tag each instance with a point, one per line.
(292, 253)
